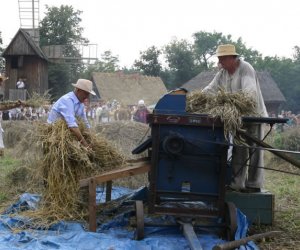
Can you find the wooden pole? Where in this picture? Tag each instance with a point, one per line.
(282, 155)
(92, 205)
(243, 241)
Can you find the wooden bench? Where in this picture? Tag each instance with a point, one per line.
(135, 167)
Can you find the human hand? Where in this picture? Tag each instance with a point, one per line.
(89, 149)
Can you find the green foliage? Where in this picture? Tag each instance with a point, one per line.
(287, 140)
(59, 79)
(206, 43)
(180, 58)
(107, 63)
(61, 26)
(286, 73)
(2, 61)
(205, 46)
(149, 62)
(186, 60)
(7, 164)
(250, 55)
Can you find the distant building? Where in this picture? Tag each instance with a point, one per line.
(24, 59)
(128, 89)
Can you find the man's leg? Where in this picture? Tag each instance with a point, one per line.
(255, 170)
(239, 167)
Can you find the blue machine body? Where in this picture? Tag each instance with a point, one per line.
(188, 154)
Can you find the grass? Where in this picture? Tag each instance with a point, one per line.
(286, 188)
(7, 164)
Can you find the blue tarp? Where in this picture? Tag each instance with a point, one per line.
(111, 235)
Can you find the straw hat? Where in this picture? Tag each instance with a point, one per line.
(226, 50)
(85, 85)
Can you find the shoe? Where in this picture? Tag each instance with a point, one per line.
(251, 190)
(232, 188)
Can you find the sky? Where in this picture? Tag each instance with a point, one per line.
(127, 27)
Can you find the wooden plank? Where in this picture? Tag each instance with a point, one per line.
(237, 243)
(108, 191)
(191, 236)
(117, 173)
(92, 205)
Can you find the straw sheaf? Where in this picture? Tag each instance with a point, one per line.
(65, 161)
(229, 107)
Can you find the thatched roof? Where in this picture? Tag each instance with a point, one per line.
(269, 88)
(23, 45)
(128, 88)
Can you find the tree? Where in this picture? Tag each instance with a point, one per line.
(107, 63)
(296, 54)
(180, 59)
(2, 60)
(286, 73)
(61, 26)
(205, 46)
(149, 62)
(250, 55)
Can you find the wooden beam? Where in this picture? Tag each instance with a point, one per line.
(92, 205)
(266, 146)
(118, 173)
(108, 191)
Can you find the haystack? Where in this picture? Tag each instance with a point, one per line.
(125, 135)
(60, 161)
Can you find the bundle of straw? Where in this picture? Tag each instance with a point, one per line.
(37, 100)
(229, 107)
(65, 162)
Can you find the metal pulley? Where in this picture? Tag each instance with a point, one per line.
(173, 144)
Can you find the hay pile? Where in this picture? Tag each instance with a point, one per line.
(229, 107)
(125, 135)
(54, 162)
(37, 100)
(61, 161)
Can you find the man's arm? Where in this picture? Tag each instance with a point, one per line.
(213, 86)
(79, 136)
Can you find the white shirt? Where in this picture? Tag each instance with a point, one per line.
(20, 85)
(243, 79)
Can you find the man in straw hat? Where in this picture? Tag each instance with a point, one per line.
(70, 106)
(237, 75)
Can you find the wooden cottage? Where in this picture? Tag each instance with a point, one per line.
(25, 59)
(128, 89)
(272, 95)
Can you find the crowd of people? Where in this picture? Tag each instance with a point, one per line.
(25, 113)
(292, 122)
(115, 111)
(96, 113)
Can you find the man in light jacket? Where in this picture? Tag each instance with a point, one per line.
(237, 75)
(70, 106)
